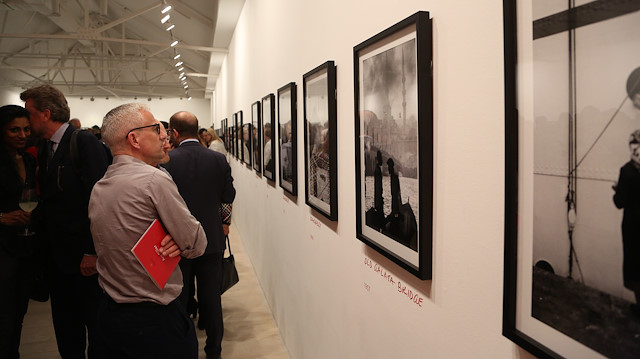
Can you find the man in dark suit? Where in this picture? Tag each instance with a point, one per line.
(61, 218)
(204, 181)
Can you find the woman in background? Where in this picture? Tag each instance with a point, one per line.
(215, 143)
(17, 168)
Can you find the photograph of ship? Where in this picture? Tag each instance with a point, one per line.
(585, 281)
(390, 143)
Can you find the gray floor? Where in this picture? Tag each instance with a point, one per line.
(250, 331)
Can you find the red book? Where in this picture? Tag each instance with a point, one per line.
(147, 249)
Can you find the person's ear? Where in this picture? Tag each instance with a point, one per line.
(132, 138)
(47, 113)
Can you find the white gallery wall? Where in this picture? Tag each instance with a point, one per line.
(91, 113)
(326, 300)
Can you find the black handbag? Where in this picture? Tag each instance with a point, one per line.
(229, 271)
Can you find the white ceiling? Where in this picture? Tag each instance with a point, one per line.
(115, 48)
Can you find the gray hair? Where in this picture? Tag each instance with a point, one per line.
(117, 122)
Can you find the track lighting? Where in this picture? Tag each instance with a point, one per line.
(179, 63)
(171, 27)
(174, 43)
(165, 19)
(176, 57)
(164, 11)
(180, 69)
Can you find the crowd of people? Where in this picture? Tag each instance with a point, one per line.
(98, 192)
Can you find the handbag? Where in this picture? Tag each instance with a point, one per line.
(229, 271)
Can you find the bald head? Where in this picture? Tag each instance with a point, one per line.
(185, 123)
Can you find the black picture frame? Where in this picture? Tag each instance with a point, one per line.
(287, 138)
(566, 137)
(320, 139)
(256, 137)
(236, 140)
(268, 133)
(225, 133)
(393, 87)
(240, 135)
(229, 145)
(247, 143)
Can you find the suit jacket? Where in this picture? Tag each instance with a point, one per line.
(204, 181)
(62, 214)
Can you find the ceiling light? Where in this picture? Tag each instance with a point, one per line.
(186, 86)
(189, 98)
(174, 43)
(184, 82)
(171, 27)
(180, 69)
(165, 19)
(176, 57)
(166, 9)
(179, 63)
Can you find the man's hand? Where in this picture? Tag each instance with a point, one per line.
(225, 229)
(88, 265)
(169, 247)
(16, 218)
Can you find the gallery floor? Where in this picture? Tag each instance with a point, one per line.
(250, 330)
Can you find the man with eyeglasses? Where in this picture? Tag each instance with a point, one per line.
(61, 218)
(137, 319)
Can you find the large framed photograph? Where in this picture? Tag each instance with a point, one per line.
(268, 132)
(256, 137)
(572, 175)
(320, 137)
(394, 143)
(287, 135)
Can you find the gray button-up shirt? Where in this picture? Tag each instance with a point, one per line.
(123, 204)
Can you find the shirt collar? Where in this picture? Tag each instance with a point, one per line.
(188, 140)
(57, 136)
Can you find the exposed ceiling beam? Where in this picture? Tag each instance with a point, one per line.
(110, 39)
(126, 18)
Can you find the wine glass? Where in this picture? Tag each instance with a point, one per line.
(28, 202)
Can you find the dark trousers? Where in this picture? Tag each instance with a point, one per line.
(16, 276)
(74, 300)
(145, 330)
(208, 273)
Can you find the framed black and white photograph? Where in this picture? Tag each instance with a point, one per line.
(240, 137)
(572, 211)
(320, 140)
(247, 143)
(287, 134)
(228, 140)
(256, 137)
(394, 143)
(225, 134)
(268, 133)
(236, 139)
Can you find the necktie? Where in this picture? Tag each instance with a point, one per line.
(51, 152)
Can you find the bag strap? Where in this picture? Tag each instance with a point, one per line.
(228, 243)
(75, 156)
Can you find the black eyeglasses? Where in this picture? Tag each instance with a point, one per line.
(156, 125)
